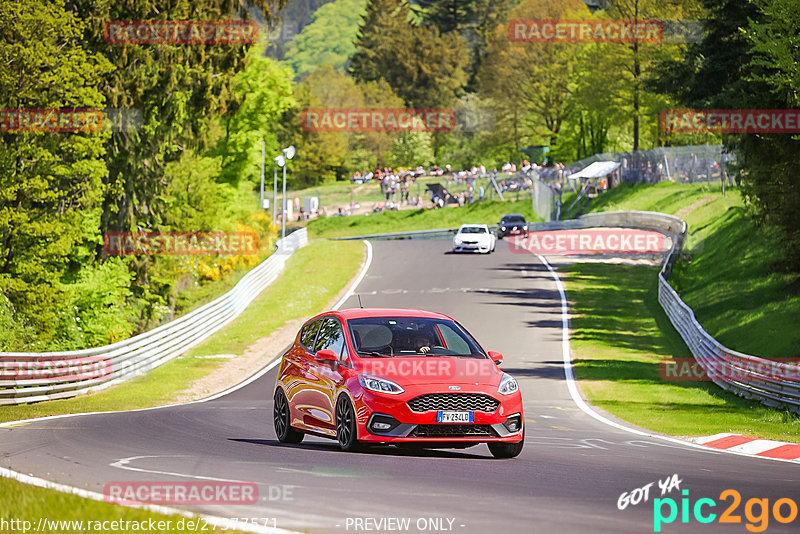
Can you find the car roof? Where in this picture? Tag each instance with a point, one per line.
(474, 225)
(514, 215)
(361, 313)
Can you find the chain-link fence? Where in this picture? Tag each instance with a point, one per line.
(429, 192)
(542, 186)
(683, 164)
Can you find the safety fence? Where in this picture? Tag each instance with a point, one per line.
(32, 377)
(682, 164)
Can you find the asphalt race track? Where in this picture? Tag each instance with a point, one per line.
(567, 479)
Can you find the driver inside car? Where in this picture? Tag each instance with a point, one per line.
(421, 343)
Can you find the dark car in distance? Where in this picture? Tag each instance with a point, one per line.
(512, 224)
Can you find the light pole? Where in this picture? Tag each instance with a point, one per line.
(275, 164)
(262, 175)
(288, 153)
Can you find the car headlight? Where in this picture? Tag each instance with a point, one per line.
(507, 385)
(503, 228)
(457, 240)
(379, 384)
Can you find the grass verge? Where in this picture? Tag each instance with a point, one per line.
(305, 286)
(730, 275)
(617, 353)
(729, 279)
(22, 502)
(488, 212)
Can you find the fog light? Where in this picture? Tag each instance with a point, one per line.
(382, 424)
(513, 423)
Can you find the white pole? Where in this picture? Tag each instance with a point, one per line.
(261, 206)
(275, 191)
(283, 204)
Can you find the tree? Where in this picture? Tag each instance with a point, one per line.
(51, 183)
(264, 89)
(321, 156)
(528, 83)
(330, 38)
(375, 146)
(448, 15)
(595, 105)
(772, 161)
(422, 66)
(636, 60)
(412, 149)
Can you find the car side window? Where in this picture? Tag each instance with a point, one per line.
(331, 336)
(309, 334)
(453, 340)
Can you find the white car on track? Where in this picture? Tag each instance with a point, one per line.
(474, 238)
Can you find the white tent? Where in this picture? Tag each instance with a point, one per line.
(598, 169)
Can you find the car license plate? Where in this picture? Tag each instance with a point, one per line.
(455, 417)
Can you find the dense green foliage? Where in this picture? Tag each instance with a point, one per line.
(329, 39)
(185, 166)
(749, 59)
(726, 273)
(192, 161)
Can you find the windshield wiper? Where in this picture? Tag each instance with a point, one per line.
(373, 353)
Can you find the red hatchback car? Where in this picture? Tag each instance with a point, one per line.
(396, 376)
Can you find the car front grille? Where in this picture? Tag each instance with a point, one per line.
(453, 431)
(472, 402)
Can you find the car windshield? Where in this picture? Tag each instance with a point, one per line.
(473, 230)
(513, 219)
(412, 336)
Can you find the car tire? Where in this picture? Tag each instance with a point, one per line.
(507, 450)
(281, 419)
(346, 429)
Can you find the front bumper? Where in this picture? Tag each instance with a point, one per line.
(512, 231)
(408, 426)
(471, 247)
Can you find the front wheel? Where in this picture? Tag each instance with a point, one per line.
(507, 450)
(346, 432)
(282, 420)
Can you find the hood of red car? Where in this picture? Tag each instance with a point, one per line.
(429, 370)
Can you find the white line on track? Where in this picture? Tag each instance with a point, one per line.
(572, 386)
(155, 508)
(124, 464)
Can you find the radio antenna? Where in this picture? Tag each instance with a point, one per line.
(359, 300)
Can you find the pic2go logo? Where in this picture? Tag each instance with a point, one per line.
(756, 511)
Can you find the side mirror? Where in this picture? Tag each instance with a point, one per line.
(326, 356)
(495, 356)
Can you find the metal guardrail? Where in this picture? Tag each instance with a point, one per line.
(414, 234)
(32, 377)
(744, 375)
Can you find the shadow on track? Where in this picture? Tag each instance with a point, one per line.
(378, 450)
